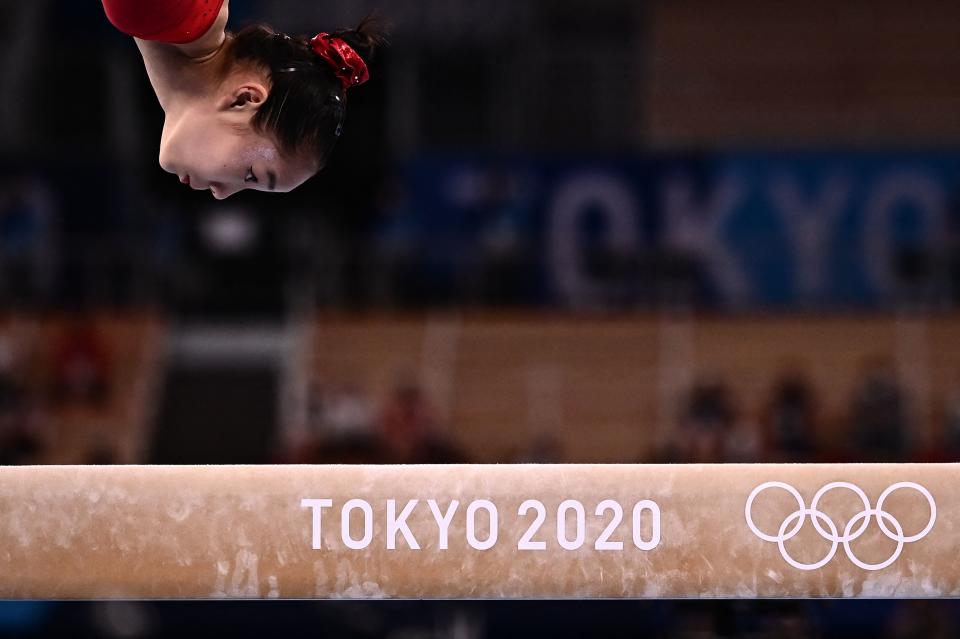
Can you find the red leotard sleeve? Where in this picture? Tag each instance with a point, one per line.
(173, 21)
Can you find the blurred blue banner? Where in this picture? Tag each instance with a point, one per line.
(758, 229)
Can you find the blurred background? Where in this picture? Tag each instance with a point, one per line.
(554, 231)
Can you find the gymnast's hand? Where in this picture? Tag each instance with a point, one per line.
(253, 110)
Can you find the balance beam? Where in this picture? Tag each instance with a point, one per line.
(463, 531)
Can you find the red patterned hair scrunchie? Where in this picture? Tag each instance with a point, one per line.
(346, 63)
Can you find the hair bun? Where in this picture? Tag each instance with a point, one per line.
(367, 37)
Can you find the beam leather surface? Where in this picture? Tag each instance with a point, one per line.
(487, 531)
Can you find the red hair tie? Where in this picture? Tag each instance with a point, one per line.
(347, 63)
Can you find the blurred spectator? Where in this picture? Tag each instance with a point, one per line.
(743, 443)
(707, 423)
(406, 423)
(341, 428)
(82, 366)
(408, 429)
(878, 418)
(303, 447)
(347, 413)
(790, 419)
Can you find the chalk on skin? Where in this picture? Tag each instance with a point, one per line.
(505, 531)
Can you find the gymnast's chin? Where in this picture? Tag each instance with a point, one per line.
(256, 109)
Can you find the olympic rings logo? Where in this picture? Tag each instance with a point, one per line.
(794, 522)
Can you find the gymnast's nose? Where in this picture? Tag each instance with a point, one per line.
(166, 161)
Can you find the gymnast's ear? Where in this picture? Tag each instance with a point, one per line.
(244, 97)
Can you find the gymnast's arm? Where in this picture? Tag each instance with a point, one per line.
(166, 62)
(207, 44)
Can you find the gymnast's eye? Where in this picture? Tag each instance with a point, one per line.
(251, 177)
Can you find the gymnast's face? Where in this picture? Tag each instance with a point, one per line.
(210, 144)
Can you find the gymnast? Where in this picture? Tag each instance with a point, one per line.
(253, 110)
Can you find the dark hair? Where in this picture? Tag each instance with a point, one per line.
(306, 107)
